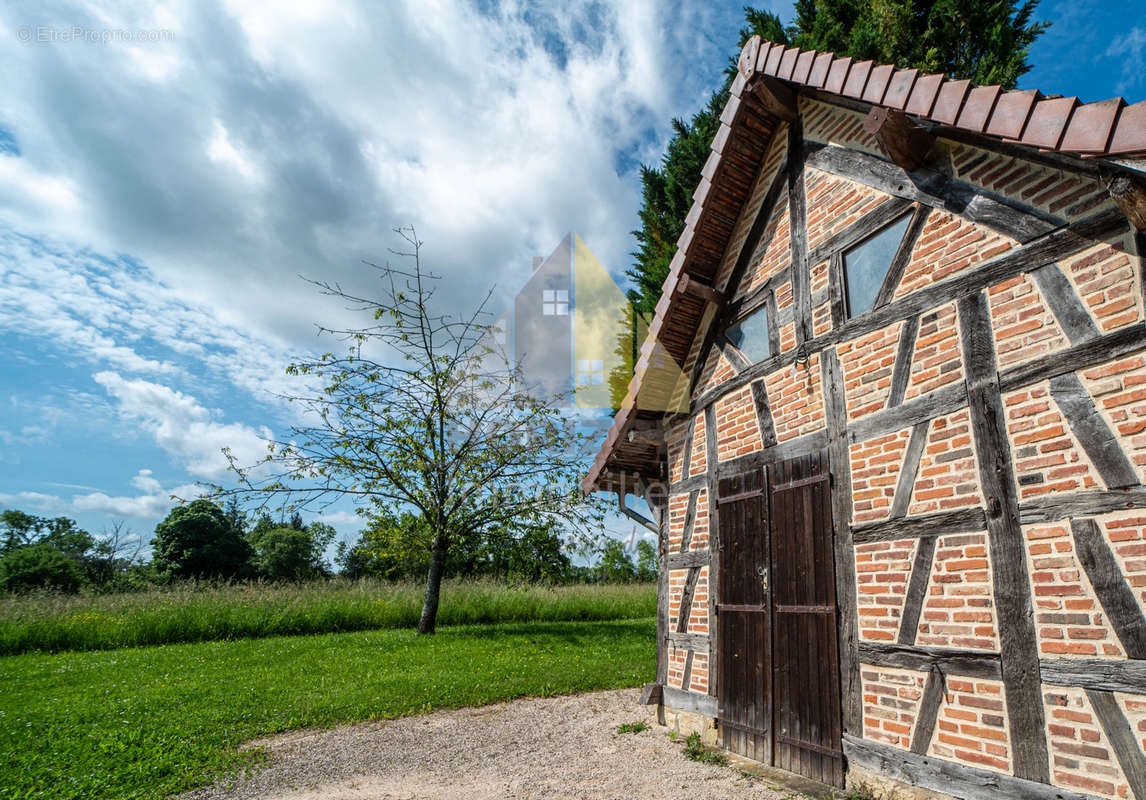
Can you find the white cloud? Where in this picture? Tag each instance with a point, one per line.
(263, 141)
(154, 502)
(35, 500)
(340, 518)
(182, 427)
(1130, 48)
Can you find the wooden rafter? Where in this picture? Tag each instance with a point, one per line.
(902, 139)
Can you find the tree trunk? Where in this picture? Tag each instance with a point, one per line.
(429, 619)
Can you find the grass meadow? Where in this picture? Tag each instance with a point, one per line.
(147, 722)
(189, 613)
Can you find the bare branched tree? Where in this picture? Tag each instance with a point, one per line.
(423, 414)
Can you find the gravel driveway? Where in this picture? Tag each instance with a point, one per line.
(549, 747)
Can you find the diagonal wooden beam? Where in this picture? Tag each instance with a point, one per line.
(686, 600)
(686, 457)
(910, 470)
(686, 677)
(839, 305)
(902, 256)
(917, 589)
(1122, 739)
(928, 715)
(732, 354)
(1092, 432)
(935, 189)
(1114, 594)
(1019, 653)
(1065, 304)
(689, 521)
(763, 413)
(901, 372)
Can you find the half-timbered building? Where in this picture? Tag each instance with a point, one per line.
(898, 463)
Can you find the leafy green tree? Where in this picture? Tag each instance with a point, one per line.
(616, 565)
(286, 554)
(197, 540)
(646, 561)
(988, 42)
(38, 566)
(419, 415)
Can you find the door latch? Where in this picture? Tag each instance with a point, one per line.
(763, 573)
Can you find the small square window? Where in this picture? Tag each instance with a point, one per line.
(866, 265)
(555, 302)
(750, 335)
(590, 372)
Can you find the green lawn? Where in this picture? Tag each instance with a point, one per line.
(148, 722)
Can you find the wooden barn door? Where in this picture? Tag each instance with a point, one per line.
(806, 679)
(744, 682)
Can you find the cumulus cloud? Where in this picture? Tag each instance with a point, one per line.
(182, 427)
(262, 141)
(37, 501)
(153, 502)
(1130, 49)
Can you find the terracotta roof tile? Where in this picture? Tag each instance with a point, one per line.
(820, 67)
(877, 83)
(977, 108)
(1048, 121)
(1130, 131)
(788, 63)
(857, 79)
(1011, 113)
(774, 56)
(730, 109)
(837, 75)
(949, 102)
(923, 95)
(899, 88)
(709, 169)
(803, 66)
(1091, 125)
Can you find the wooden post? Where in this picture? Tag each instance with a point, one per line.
(904, 142)
(1019, 655)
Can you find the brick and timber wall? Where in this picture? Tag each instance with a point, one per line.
(991, 448)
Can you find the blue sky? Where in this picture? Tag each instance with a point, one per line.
(167, 174)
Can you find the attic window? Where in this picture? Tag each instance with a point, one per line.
(866, 265)
(750, 335)
(555, 302)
